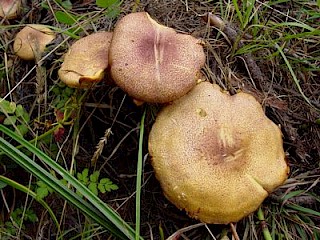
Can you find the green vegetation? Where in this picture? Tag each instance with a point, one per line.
(49, 132)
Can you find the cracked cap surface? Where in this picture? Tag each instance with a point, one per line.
(152, 62)
(216, 156)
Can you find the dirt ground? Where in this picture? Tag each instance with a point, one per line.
(268, 79)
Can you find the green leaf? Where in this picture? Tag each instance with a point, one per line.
(41, 184)
(113, 11)
(106, 184)
(31, 216)
(7, 107)
(79, 176)
(101, 188)
(106, 3)
(64, 181)
(2, 185)
(67, 92)
(10, 120)
(85, 173)
(66, 18)
(26, 117)
(22, 129)
(19, 110)
(94, 177)
(22, 113)
(32, 194)
(93, 188)
(83, 177)
(42, 192)
(66, 4)
(92, 206)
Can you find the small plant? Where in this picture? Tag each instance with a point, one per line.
(94, 184)
(17, 219)
(62, 95)
(43, 190)
(112, 7)
(15, 116)
(65, 4)
(92, 181)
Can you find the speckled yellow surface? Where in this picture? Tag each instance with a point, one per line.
(217, 156)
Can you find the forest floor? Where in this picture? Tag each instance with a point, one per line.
(274, 55)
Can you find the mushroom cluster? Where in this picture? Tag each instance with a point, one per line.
(149, 61)
(216, 156)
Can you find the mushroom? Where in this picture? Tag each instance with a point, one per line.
(86, 61)
(152, 62)
(32, 40)
(9, 8)
(217, 156)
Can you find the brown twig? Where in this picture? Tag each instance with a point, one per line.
(235, 38)
(234, 231)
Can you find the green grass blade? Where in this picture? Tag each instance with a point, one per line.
(239, 14)
(27, 163)
(265, 230)
(106, 216)
(295, 79)
(294, 24)
(248, 12)
(139, 175)
(303, 210)
(26, 190)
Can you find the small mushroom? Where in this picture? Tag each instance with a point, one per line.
(32, 40)
(152, 62)
(86, 61)
(217, 156)
(9, 9)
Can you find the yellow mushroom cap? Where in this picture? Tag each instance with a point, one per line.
(32, 40)
(86, 61)
(152, 62)
(217, 156)
(9, 8)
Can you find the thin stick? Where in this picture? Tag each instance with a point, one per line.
(234, 37)
(234, 231)
(182, 230)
